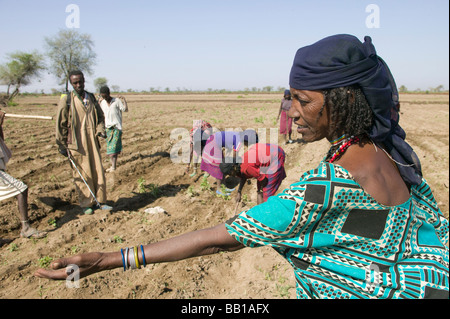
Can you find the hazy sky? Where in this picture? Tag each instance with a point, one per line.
(233, 44)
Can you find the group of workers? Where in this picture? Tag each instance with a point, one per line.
(363, 224)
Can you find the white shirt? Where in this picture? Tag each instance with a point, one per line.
(113, 113)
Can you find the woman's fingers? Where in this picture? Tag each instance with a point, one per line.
(57, 270)
(86, 264)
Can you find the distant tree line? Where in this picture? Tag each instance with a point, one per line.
(438, 89)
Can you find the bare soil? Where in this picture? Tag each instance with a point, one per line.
(147, 177)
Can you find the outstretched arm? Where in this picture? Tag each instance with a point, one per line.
(197, 243)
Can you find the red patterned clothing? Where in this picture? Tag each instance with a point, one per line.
(264, 161)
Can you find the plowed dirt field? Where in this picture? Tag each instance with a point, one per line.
(148, 177)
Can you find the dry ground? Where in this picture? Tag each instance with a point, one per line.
(145, 165)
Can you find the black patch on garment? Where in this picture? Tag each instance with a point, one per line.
(365, 223)
(434, 293)
(303, 265)
(315, 194)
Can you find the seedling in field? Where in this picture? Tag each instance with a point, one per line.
(204, 185)
(259, 119)
(13, 247)
(223, 190)
(117, 239)
(141, 185)
(152, 189)
(52, 222)
(45, 261)
(191, 192)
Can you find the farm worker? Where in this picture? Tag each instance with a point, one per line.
(265, 162)
(9, 187)
(286, 121)
(363, 224)
(112, 109)
(79, 123)
(198, 135)
(213, 154)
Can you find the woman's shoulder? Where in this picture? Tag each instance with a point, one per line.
(327, 172)
(315, 185)
(424, 197)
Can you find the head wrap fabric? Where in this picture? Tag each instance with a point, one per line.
(249, 136)
(342, 60)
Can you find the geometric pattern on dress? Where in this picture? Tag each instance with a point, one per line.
(329, 263)
(337, 256)
(330, 284)
(390, 243)
(415, 284)
(304, 211)
(431, 216)
(358, 197)
(341, 173)
(254, 233)
(327, 291)
(424, 195)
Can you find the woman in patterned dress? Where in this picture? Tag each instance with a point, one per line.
(363, 223)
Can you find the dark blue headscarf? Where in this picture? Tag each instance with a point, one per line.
(342, 60)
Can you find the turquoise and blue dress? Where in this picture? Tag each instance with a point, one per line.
(342, 243)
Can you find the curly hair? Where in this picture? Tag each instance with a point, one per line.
(350, 112)
(75, 72)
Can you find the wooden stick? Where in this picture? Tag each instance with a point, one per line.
(29, 116)
(235, 209)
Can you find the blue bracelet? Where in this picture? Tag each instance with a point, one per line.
(143, 256)
(123, 260)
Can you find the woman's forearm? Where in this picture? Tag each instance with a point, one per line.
(193, 244)
(197, 243)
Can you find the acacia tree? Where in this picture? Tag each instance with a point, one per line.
(19, 71)
(70, 50)
(99, 82)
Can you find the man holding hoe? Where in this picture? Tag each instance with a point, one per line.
(79, 124)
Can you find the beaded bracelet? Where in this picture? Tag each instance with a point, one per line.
(129, 255)
(123, 260)
(143, 256)
(136, 259)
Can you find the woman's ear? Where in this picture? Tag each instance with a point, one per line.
(324, 94)
(351, 96)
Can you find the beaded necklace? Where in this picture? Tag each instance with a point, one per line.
(338, 140)
(346, 142)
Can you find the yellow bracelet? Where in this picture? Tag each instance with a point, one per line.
(136, 256)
